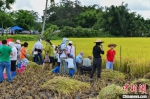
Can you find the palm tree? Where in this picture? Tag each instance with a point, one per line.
(52, 2)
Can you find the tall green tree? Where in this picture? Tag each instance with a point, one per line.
(25, 19)
(5, 20)
(6, 4)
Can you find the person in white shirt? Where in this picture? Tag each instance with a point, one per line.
(87, 65)
(37, 51)
(13, 59)
(18, 46)
(63, 64)
(70, 65)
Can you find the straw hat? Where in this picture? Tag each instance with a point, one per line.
(98, 41)
(112, 45)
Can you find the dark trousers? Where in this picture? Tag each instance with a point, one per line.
(96, 65)
(78, 65)
(13, 65)
(37, 57)
(84, 68)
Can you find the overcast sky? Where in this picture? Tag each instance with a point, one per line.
(139, 6)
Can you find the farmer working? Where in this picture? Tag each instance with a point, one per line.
(37, 51)
(87, 66)
(5, 52)
(97, 50)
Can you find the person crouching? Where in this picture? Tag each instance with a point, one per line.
(70, 62)
(87, 66)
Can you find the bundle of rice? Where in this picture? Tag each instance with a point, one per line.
(111, 75)
(142, 81)
(65, 85)
(111, 92)
(33, 65)
(147, 76)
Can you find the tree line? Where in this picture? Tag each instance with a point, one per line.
(28, 20)
(72, 19)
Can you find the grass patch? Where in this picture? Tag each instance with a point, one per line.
(111, 92)
(21, 37)
(65, 85)
(114, 76)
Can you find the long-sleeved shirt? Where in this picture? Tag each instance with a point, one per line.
(49, 50)
(97, 51)
(79, 59)
(71, 50)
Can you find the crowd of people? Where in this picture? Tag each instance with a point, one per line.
(14, 55)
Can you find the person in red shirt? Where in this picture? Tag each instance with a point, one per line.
(110, 56)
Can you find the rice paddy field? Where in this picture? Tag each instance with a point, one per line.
(132, 54)
(132, 66)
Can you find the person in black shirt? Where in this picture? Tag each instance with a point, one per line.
(97, 50)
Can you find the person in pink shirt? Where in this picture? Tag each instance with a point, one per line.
(71, 48)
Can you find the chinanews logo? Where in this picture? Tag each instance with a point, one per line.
(134, 88)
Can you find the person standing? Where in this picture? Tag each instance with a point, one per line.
(97, 61)
(23, 54)
(37, 51)
(70, 48)
(13, 59)
(50, 51)
(5, 52)
(111, 56)
(18, 47)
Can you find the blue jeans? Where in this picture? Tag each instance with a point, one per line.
(109, 65)
(6, 65)
(39, 55)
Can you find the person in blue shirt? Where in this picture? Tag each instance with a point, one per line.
(79, 59)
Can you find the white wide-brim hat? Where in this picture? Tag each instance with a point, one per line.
(70, 42)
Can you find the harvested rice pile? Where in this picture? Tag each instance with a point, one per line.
(111, 92)
(65, 85)
(33, 65)
(114, 76)
(147, 76)
(143, 81)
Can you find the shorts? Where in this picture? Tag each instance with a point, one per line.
(52, 60)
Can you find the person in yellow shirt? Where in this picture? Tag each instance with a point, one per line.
(50, 51)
